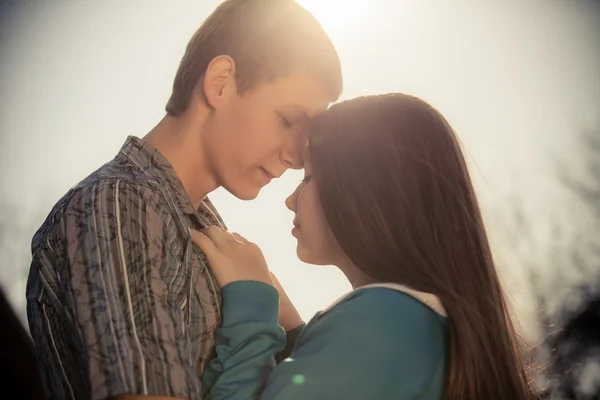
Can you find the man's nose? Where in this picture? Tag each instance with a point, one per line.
(292, 154)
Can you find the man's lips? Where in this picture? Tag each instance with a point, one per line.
(268, 176)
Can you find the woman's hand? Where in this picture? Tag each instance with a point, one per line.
(231, 257)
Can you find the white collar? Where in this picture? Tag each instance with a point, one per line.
(430, 300)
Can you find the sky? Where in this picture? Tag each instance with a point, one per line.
(517, 81)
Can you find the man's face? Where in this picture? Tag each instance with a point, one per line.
(257, 136)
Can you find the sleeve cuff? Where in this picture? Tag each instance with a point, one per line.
(249, 301)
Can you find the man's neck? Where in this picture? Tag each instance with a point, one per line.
(178, 140)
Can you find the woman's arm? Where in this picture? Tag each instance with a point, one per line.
(246, 343)
(356, 351)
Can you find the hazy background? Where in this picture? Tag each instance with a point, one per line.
(518, 81)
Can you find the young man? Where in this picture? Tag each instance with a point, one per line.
(120, 303)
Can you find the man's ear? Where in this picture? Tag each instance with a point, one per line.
(219, 81)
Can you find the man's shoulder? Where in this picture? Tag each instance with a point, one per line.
(115, 172)
(110, 181)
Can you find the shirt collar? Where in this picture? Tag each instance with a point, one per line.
(152, 163)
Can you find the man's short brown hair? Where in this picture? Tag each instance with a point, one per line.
(267, 39)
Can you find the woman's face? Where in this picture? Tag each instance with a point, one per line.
(316, 244)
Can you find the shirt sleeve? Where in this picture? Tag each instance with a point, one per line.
(121, 313)
(352, 352)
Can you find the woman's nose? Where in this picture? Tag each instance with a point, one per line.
(290, 202)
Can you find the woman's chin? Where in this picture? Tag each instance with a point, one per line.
(303, 255)
(309, 257)
(300, 253)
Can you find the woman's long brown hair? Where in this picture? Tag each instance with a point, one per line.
(398, 198)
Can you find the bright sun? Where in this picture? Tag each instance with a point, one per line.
(337, 16)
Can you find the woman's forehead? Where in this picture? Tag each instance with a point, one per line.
(306, 158)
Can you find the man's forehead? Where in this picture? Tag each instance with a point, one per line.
(305, 95)
(306, 112)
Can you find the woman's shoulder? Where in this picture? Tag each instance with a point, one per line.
(390, 329)
(390, 301)
(392, 316)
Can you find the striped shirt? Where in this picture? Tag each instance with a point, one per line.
(119, 300)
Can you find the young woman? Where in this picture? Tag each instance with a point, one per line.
(386, 198)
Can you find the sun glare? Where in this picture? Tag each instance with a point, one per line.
(339, 15)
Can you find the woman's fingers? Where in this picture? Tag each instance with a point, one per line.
(231, 257)
(240, 238)
(203, 241)
(220, 237)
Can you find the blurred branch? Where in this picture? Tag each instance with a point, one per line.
(588, 190)
(574, 346)
(571, 329)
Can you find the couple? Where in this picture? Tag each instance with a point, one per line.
(138, 291)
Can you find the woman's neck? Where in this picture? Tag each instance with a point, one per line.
(355, 276)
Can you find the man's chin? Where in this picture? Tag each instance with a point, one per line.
(244, 193)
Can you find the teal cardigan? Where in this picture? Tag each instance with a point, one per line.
(374, 344)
